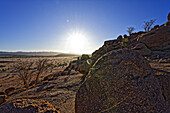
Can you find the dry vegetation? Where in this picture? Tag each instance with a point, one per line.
(28, 77)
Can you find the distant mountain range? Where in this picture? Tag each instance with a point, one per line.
(20, 53)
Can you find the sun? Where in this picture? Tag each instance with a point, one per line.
(77, 42)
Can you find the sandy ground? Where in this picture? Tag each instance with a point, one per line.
(59, 91)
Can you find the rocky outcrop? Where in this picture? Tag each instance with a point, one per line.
(155, 41)
(29, 106)
(158, 39)
(120, 81)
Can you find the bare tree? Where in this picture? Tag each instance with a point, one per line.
(130, 30)
(148, 24)
(24, 71)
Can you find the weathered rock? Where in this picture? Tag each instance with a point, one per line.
(79, 65)
(163, 79)
(125, 36)
(160, 54)
(142, 49)
(134, 35)
(167, 23)
(120, 82)
(28, 106)
(109, 42)
(156, 27)
(84, 67)
(103, 50)
(168, 17)
(157, 39)
(9, 90)
(84, 57)
(119, 38)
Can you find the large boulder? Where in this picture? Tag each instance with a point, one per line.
(158, 39)
(28, 106)
(120, 82)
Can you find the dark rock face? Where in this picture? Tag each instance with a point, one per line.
(120, 82)
(167, 24)
(119, 38)
(109, 42)
(142, 49)
(163, 79)
(105, 49)
(84, 67)
(168, 17)
(156, 27)
(85, 57)
(28, 106)
(157, 39)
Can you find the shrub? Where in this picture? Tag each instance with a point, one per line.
(24, 71)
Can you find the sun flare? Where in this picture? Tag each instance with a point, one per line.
(77, 42)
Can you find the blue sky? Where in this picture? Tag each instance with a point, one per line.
(45, 25)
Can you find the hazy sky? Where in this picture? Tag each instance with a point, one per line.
(52, 25)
